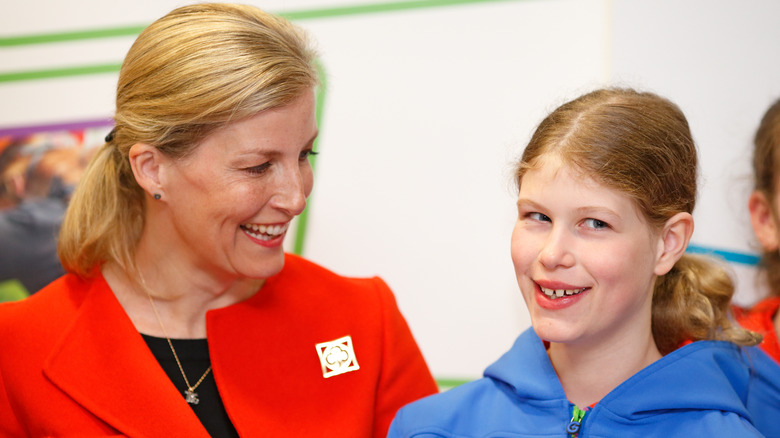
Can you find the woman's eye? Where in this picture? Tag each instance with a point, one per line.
(306, 154)
(257, 170)
(596, 224)
(538, 217)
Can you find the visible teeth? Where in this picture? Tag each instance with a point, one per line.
(264, 232)
(558, 293)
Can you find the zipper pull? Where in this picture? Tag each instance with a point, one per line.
(573, 428)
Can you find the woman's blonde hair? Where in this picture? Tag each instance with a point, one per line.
(189, 73)
(640, 144)
(766, 158)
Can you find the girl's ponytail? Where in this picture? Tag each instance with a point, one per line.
(692, 303)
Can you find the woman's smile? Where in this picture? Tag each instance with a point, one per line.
(265, 232)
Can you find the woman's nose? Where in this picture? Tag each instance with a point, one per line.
(291, 192)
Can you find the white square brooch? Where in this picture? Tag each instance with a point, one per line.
(337, 357)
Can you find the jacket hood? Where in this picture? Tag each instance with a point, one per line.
(704, 375)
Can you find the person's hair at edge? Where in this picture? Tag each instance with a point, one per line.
(640, 144)
(193, 71)
(765, 158)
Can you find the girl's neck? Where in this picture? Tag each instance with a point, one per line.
(589, 372)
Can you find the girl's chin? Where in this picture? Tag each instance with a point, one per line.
(556, 332)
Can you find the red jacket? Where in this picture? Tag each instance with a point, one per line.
(72, 363)
(761, 319)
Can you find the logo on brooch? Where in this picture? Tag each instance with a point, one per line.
(337, 357)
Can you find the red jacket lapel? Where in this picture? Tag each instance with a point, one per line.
(104, 365)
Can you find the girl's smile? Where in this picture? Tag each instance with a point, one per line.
(558, 298)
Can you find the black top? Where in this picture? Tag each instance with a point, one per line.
(194, 357)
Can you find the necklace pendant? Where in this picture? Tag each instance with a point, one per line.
(191, 397)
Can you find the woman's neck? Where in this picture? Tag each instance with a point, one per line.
(589, 372)
(180, 296)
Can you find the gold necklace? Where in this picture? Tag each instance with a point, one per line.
(189, 395)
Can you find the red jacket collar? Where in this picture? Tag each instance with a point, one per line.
(102, 362)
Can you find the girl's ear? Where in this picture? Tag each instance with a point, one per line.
(763, 220)
(673, 241)
(145, 161)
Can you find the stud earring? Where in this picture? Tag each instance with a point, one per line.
(157, 196)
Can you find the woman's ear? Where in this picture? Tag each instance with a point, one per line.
(673, 241)
(145, 161)
(763, 220)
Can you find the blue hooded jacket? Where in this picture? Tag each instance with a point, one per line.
(696, 391)
(763, 400)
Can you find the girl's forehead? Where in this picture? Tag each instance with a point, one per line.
(552, 164)
(549, 168)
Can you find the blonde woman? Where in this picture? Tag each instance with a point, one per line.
(180, 314)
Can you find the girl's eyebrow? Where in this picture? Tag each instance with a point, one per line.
(581, 211)
(596, 209)
(522, 202)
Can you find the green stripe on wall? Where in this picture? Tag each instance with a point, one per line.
(378, 8)
(303, 218)
(46, 38)
(445, 384)
(59, 72)
(25, 40)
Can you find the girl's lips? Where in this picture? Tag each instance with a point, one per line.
(555, 284)
(561, 292)
(559, 298)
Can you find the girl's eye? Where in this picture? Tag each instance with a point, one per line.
(596, 224)
(538, 217)
(306, 154)
(258, 170)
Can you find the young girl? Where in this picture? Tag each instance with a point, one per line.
(764, 397)
(607, 186)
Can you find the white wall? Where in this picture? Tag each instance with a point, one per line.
(427, 108)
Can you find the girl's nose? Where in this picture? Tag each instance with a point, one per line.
(557, 251)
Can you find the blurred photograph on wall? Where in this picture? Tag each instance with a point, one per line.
(39, 170)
